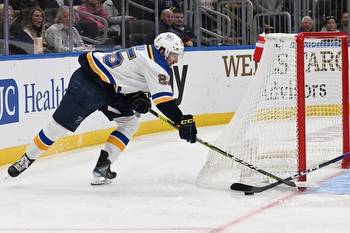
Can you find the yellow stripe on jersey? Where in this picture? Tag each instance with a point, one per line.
(95, 68)
(162, 100)
(150, 52)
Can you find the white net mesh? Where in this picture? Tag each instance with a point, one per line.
(263, 131)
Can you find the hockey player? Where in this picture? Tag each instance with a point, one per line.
(114, 83)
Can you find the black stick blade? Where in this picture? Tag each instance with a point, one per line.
(241, 187)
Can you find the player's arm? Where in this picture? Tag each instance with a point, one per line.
(186, 123)
(139, 102)
(158, 82)
(170, 110)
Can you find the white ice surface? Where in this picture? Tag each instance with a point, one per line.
(155, 191)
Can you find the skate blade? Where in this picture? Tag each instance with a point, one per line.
(100, 181)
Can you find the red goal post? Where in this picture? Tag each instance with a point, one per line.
(300, 39)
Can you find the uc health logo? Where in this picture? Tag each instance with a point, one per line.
(9, 112)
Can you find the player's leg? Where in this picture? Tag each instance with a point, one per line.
(123, 115)
(41, 143)
(82, 98)
(115, 145)
(119, 138)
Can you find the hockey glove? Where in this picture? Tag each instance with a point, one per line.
(139, 102)
(187, 129)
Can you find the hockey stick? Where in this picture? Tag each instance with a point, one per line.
(248, 189)
(224, 153)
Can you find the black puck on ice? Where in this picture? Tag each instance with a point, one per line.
(248, 193)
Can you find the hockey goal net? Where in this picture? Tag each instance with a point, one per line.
(294, 115)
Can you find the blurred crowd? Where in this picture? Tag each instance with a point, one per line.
(42, 26)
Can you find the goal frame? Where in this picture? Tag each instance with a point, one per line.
(301, 122)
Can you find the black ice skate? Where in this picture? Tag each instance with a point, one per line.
(20, 165)
(102, 172)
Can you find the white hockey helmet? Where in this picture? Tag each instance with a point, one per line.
(170, 42)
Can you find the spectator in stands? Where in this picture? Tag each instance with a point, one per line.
(306, 24)
(330, 25)
(179, 28)
(18, 6)
(19, 41)
(93, 7)
(114, 18)
(10, 22)
(328, 7)
(57, 35)
(166, 21)
(11, 17)
(344, 23)
(50, 9)
(33, 24)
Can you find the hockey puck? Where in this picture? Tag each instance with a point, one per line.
(248, 193)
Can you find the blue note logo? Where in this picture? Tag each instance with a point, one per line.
(8, 101)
